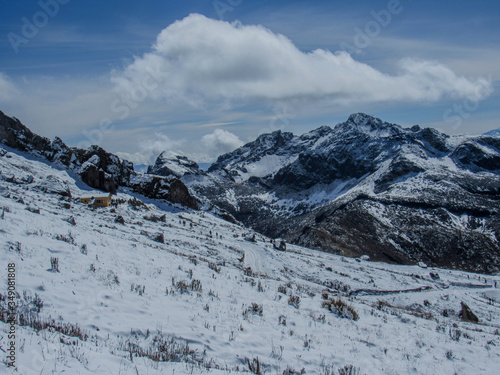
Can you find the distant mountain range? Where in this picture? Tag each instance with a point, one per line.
(363, 187)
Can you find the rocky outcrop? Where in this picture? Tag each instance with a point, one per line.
(467, 315)
(96, 167)
(171, 164)
(170, 189)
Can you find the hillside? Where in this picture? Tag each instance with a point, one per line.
(150, 287)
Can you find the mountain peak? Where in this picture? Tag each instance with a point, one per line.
(363, 119)
(169, 163)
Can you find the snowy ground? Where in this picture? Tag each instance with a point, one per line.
(214, 301)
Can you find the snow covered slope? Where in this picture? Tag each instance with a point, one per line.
(151, 288)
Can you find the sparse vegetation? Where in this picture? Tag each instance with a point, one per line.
(66, 238)
(340, 308)
(139, 289)
(83, 249)
(282, 289)
(290, 371)
(349, 370)
(282, 320)
(214, 267)
(54, 264)
(185, 287)
(260, 288)
(254, 366)
(255, 309)
(294, 301)
(164, 349)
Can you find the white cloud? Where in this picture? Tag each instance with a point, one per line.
(149, 149)
(7, 88)
(206, 62)
(220, 142)
(206, 149)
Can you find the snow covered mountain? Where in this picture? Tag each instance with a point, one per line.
(172, 164)
(149, 287)
(368, 187)
(493, 133)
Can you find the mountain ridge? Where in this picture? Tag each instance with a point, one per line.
(291, 186)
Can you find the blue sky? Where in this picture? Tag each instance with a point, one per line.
(203, 77)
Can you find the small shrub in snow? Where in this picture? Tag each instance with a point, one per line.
(214, 267)
(290, 371)
(320, 318)
(340, 308)
(307, 342)
(282, 289)
(260, 288)
(15, 247)
(32, 320)
(338, 285)
(255, 309)
(349, 370)
(164, 349)
(54, 264)
(185, 287)
(449, 355)
(282, 320)
(212, 294)
(294, 301)
(83, 249)
(139, 289)
(254, 366)
(455, 334)
(247, 271)
(66, 238)
(326, 369)
(196, 285)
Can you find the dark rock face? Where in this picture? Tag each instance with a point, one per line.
(172, 190)
(368, 187)
(98, 168)
(467, 315)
